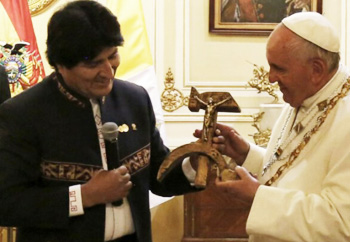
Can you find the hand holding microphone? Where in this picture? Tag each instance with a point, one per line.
(106, 186)
(110, 135)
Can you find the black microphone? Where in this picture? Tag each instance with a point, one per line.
(110, 134)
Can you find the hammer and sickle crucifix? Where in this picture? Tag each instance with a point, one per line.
(201, 151)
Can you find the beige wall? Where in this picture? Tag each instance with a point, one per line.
(179, 37)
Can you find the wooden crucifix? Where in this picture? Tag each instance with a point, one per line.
(212, 103)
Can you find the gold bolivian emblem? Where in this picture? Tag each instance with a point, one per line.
(23, 68)
(37, 6)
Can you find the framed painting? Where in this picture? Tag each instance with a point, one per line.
(254, 17)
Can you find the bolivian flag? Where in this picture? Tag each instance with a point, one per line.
(19, 53)
(136, 58)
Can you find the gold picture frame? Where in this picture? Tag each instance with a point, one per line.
(253, 17)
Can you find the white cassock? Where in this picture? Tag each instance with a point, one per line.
(310, 201)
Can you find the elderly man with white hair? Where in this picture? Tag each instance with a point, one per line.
(301, 187)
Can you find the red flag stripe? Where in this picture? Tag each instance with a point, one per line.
(18, 12)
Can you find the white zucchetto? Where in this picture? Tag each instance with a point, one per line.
(315, 28)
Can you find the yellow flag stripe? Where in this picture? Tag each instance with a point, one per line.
(135, 53)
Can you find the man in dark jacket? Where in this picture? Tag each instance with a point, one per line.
(57, 179)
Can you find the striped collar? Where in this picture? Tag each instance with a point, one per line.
(68, 93)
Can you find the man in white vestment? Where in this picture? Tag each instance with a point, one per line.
(300, 190)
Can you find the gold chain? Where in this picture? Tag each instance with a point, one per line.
(320, 120)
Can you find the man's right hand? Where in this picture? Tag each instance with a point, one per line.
(106, 186)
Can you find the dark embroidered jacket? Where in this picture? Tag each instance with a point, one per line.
(48, 142)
